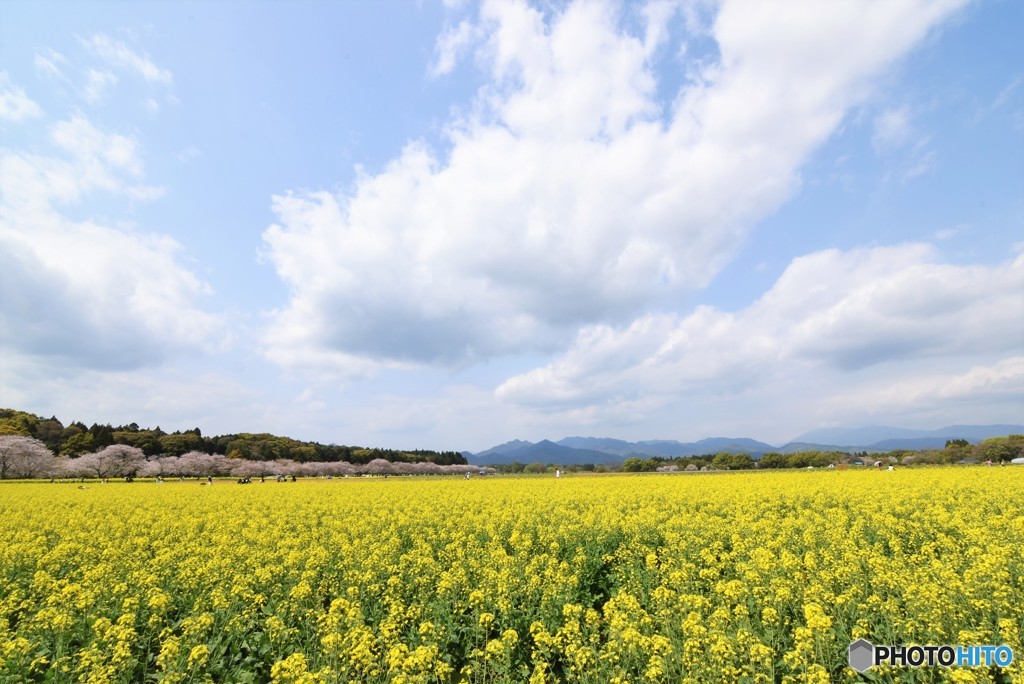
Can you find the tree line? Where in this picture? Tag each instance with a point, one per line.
(995, 449)
(76, 439)
(32, 446)
(24, 458)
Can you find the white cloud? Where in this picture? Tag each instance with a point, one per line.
(87, 144)
(456, 417)
(895, 138)
(831, 319)
(188, 154)
(926, 394)
(80, 291)
(922, 162)
(573, 196)
(51, 63)
(99, 297)
(93, 161)
(15, 105)
(96, 84)
(1006, 93)
(450, 46)
(174, 398)
(892, 129)
(119, 55)
(1005, 97)
(943, 234)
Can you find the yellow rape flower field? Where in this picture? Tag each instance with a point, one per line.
(735, 577)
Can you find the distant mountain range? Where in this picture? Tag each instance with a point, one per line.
(544, 451)
(597, 450)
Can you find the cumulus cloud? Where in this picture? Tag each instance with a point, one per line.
(15, 105)
(573, 195)
(173, 398)
(924, 394)
(80, 291)
(831, 315)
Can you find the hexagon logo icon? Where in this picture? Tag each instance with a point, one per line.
(861, 655)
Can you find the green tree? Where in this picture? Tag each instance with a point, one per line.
(80, 443)
(14, 426)
(17, 423)
(633, 465)
(49, 432)
(102, 435)
(774, 460)
(727, 461)
(181, 443)
(1002, 449)
(147, 440)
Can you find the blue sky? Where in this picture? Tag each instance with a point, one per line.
(447, 225)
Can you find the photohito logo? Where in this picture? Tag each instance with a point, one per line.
(863, 655)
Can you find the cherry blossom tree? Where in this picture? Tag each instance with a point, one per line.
(23, 457)
(241, 467)
(116, 460)
(378, 466)
(330, 469)
(163, 466)
(199, 464)
(288, 467)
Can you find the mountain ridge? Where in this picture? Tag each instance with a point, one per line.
(878, 433)
(608, 450)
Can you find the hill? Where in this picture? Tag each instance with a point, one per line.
(544, 451)
(75, 438)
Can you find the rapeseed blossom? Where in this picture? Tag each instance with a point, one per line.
(759, 577)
